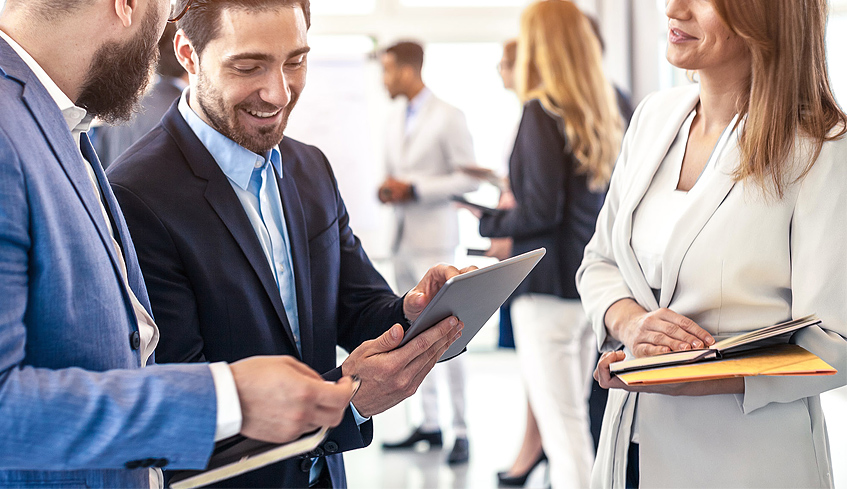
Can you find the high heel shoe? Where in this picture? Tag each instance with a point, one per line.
(506, 480)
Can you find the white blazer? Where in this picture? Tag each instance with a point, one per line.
(735, 262)
(430, 157)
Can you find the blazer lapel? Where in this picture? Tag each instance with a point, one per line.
(226, 205)
(133, 271)
(647, 161)
(299, 241)
(701, 208)
(52, 124)
(412, 139)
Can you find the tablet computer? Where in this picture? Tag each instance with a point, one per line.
(473, 297)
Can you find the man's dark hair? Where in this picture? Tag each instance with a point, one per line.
(201, 23)
(408, 53)
(168, 64)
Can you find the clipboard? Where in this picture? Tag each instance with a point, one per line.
(473, 297)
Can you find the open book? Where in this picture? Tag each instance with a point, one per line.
(777, 333)
(784, 359)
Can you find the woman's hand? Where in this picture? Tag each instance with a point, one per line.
(501, 248)
(604, 377)
(651, 333)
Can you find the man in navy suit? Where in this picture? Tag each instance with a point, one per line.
(81, 402)
(244, 239)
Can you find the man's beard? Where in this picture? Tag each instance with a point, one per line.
(119, 74)
(225, 119)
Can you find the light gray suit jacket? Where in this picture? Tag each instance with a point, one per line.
(430, 158)
(736, 261)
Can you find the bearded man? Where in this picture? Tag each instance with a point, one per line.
(243, 237)
(81, 402)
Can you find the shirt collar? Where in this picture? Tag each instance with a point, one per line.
(75, 117)
(418, 100)
(236, 161)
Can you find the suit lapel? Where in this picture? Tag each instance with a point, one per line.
(299, 241)
(703, 205)
(226, 205)
(52, 123)
(646, 162)
(411, 139)
(133, 271)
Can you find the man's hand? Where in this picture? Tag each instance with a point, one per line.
(603, 375)
(393, 191)
(655, 332)
(282, 398)
(390, 375)
(435, 278)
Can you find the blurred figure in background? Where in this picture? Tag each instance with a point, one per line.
(112, 140)
(531, 453)
(567, 142)
(623, 98)
(501, 248)
(428, 142)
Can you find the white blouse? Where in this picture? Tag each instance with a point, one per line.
(658, 213)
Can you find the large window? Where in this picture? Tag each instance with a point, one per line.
(342, 7)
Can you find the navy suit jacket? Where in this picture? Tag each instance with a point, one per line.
(76, 409)
(210, 284)
(555, 209)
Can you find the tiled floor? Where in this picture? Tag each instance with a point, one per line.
(496, 410)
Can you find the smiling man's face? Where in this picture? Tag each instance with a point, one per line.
(249, 78)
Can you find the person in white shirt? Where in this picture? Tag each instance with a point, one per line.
(427, 144)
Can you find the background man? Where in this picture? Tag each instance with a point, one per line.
(244, 239)
(76, 406)
(428, 142)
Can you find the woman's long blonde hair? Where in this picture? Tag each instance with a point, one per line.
(560, 63)
(789, 92)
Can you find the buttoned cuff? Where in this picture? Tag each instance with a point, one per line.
(358, 417)
(229, 406)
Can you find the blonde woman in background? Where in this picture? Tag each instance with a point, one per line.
(727, 212)
(567, 142)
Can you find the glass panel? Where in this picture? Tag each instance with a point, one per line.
(836, 38)
(343, 7)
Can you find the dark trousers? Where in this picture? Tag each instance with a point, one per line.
(633, 476)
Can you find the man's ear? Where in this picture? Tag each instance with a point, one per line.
(185, 53)
(126, 9)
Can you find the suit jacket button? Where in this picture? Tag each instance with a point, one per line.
(133, 464)
(317, 452)
(306, 465)
(135, 340)
(161, 462)
(331, 447)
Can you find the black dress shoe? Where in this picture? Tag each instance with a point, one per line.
(432, 438)
(506, 480)
(460, 452)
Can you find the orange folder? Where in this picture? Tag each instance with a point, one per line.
(785, 359)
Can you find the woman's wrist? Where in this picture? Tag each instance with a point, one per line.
(618, 315)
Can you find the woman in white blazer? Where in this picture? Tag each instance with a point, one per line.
(727, 212)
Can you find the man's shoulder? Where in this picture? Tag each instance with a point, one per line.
(149, 161)
(301, 155)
